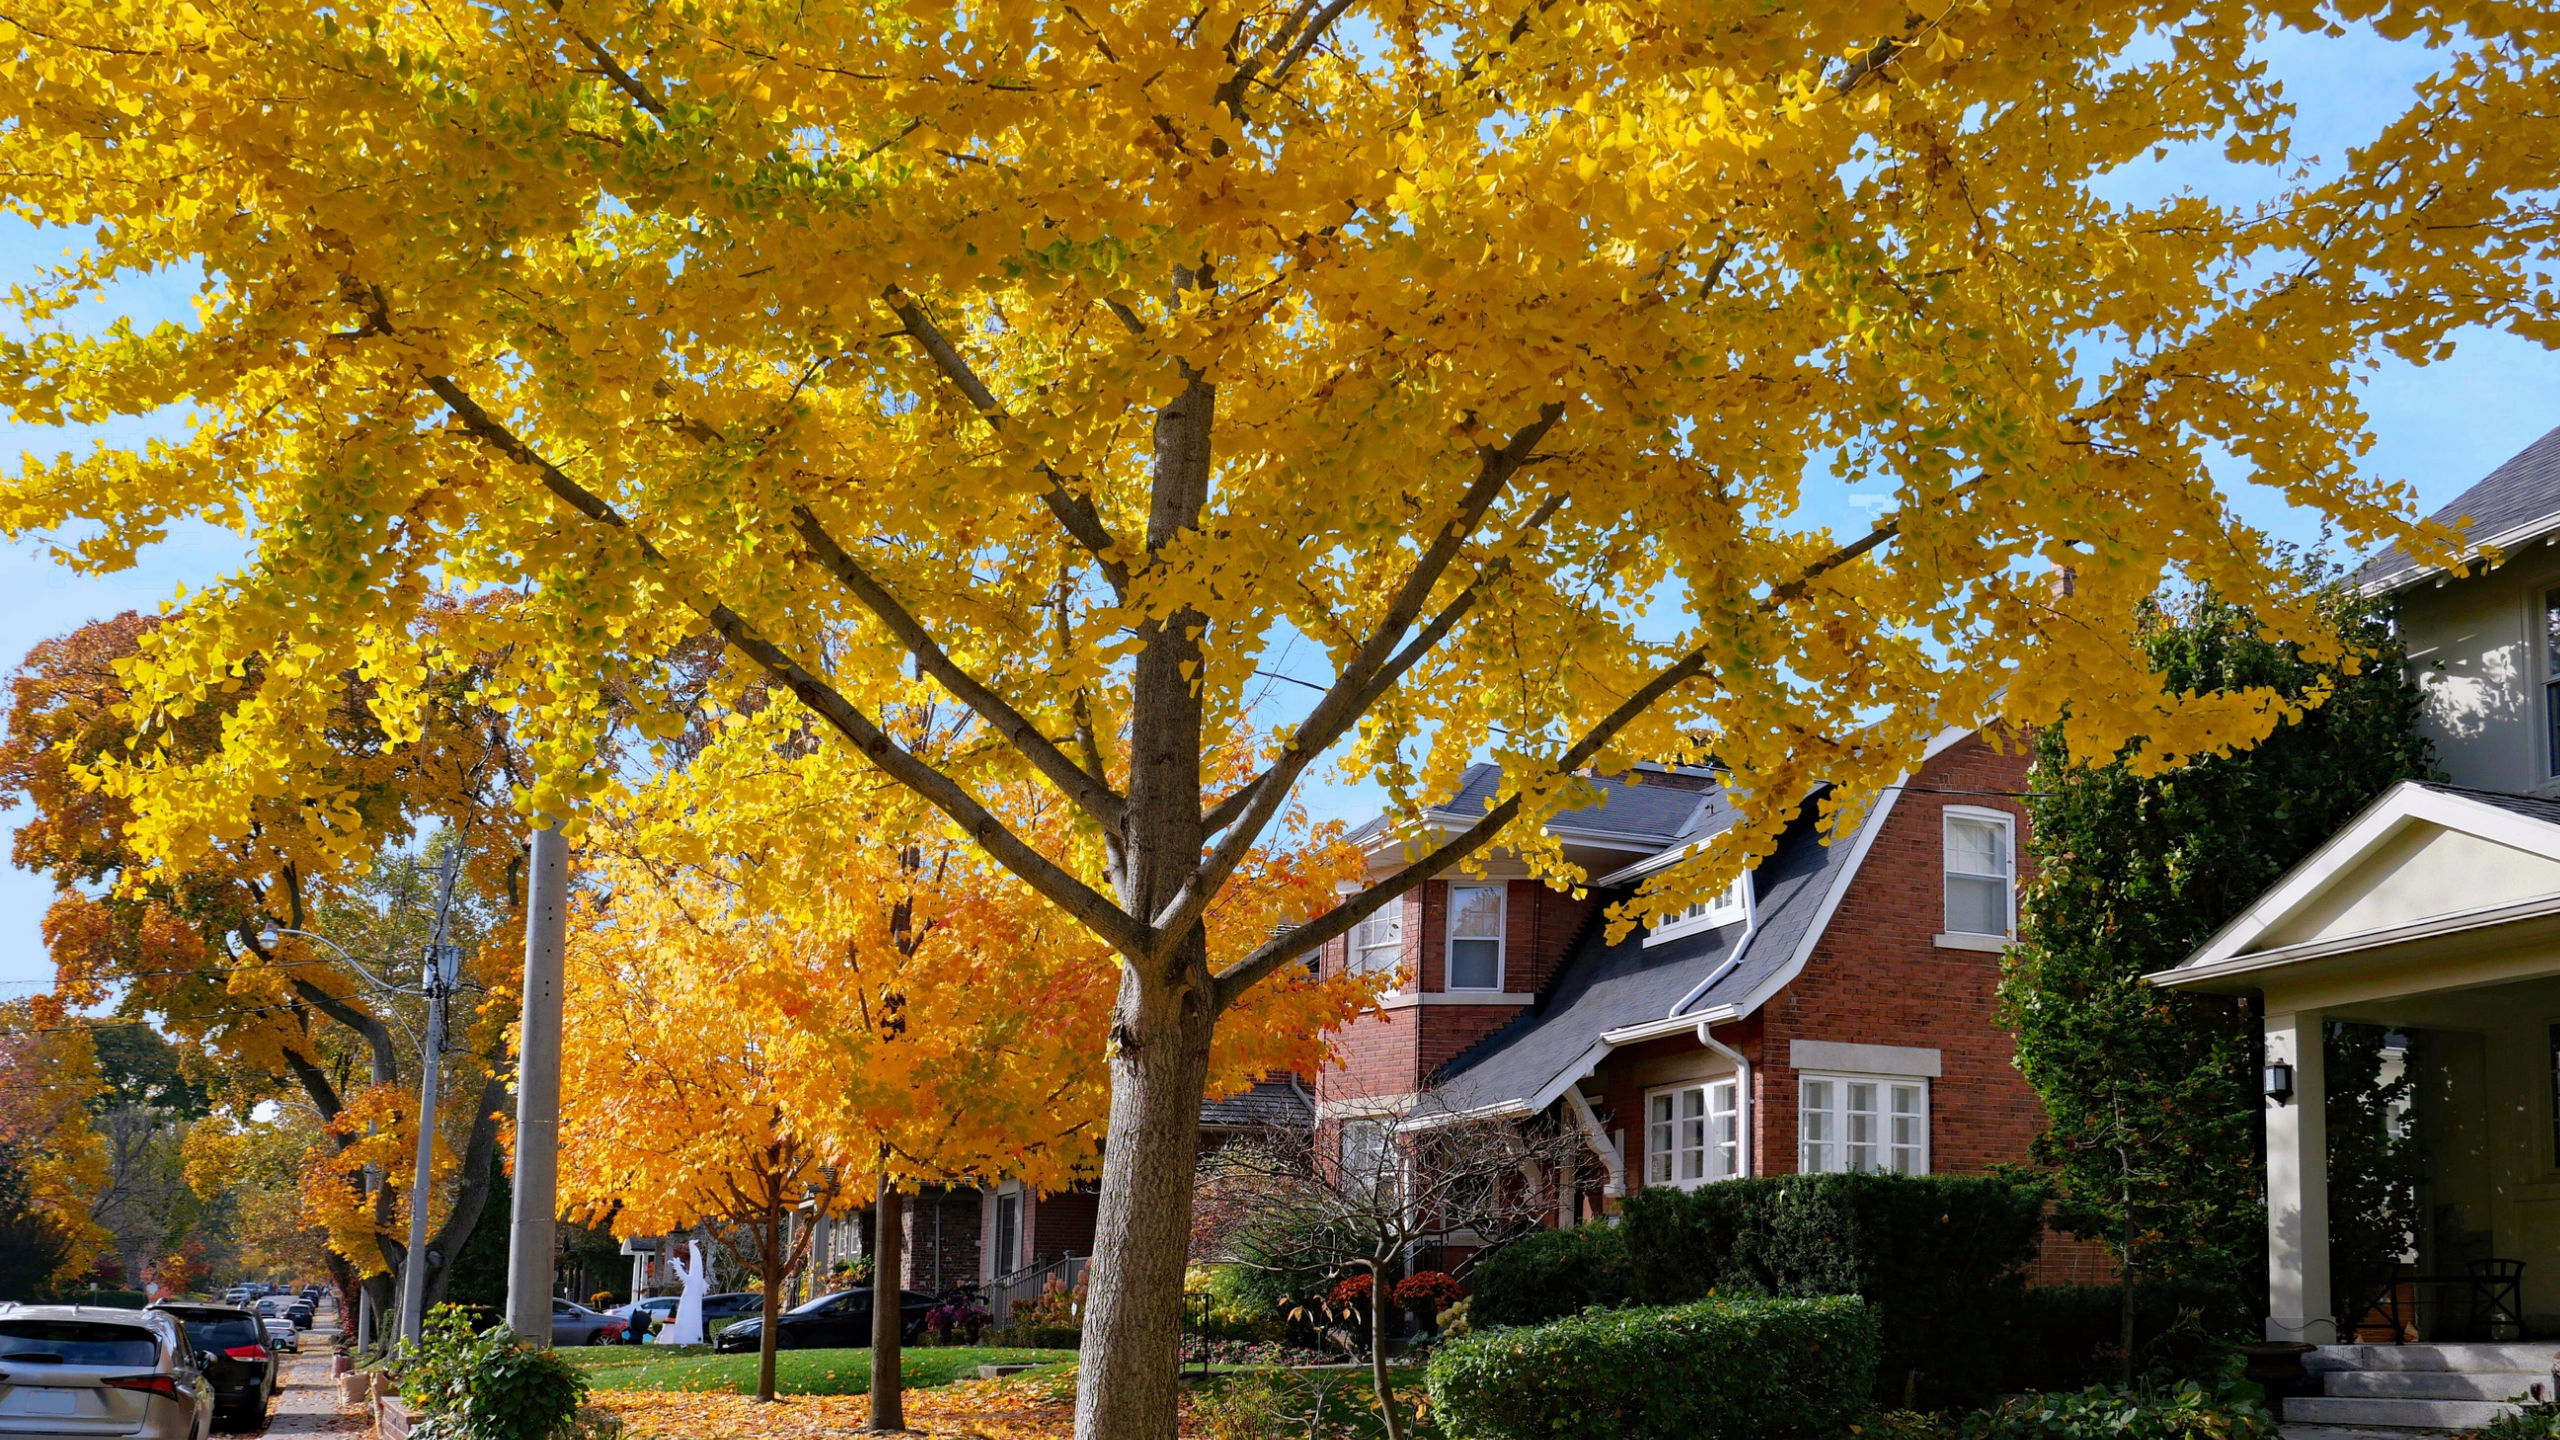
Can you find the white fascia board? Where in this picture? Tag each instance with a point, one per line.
(2393, 809)
(2433, 927)
(1496, 1111)
(2507, 539)
(1571, 1075)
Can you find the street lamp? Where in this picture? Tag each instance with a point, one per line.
(442, 967)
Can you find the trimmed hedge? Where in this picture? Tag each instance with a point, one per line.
(1748, 1369)
(1549, 1275)
(1942, 1258)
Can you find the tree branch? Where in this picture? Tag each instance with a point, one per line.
(1076, 512)
(377, 1036)
(1089, 791)
(1362, 680)
(947, 795)
(1230, 984)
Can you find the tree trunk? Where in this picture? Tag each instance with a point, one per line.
(888, 1269)
(1387, 1415)
(2124, 1317)
(1129, 1386)
(769, 1269)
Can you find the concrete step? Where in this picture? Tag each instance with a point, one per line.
(2533, 1355)
(2435, 1384)
(2372, 1413)
(2291, 1431)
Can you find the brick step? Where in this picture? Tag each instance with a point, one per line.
(2533, 1356)
(2366, 1412)
(2435, 1384)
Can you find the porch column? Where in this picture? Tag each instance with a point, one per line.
(2298, 1306)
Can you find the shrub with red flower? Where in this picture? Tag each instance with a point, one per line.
(1429, 1291)
(1349, 1292)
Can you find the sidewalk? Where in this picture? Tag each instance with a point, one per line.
(307, 1399)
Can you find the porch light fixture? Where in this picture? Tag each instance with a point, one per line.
(2280, 1082)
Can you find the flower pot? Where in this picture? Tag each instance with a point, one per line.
(342, 1364)
(353, 1387)
(382, 1383)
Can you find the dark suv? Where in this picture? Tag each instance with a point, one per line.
(241, 1369)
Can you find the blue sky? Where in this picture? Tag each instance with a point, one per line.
(2440, 427)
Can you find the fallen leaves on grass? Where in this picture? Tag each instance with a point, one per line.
(1029, 1407)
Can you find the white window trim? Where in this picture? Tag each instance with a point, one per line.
(1730, 908)
(1884, 1115)
(1352, 950)
(1501, 938)
(2008, 824)
(1707, 1085)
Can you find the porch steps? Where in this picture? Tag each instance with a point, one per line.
(2405, 1389)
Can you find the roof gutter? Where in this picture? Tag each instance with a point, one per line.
(1750, 927)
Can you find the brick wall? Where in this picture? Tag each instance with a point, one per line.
(1878, 978)
(944, 1229)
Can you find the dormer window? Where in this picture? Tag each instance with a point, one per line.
(1731, 907)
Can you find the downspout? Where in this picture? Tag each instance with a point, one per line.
(1750, 927)
(1741, 1097)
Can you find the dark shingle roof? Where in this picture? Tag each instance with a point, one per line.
(2515, 502)
(1655, 809)
(1266, 1104)
(2532, 807)
(1603, 987)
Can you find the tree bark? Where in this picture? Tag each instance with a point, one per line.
(888, 1269)
(769, 1268)
(1130, 1382)
(1387, 1415)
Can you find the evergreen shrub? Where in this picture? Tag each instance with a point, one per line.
(1942, 1258)
(1550, 1275)
(1757, 1368)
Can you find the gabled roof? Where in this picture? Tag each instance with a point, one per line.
(1602, 990)
(2423, 860)
(2517, 502)
(1647, 809)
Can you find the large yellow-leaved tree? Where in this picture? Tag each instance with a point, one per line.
(1467, 360)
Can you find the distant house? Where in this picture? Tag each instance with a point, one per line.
(1833, 1011)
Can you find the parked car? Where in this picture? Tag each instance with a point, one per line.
(575, 1324)
(232, 1347)
(280, 1332)
(74, 1372)
(301, 1313)
(841, 1321)
(717, 1310)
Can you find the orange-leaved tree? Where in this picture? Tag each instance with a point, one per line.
(796, 989)
(1469, 361)
(178, 939)
(48, 1076)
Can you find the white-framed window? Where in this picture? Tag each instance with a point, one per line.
(1008, 1232)
(1729, 908)
(1366, 1154)
(1860, 1123)
(1982, 870)
(2551, 681)
(1693, 1133)
(1475, 937)
(1377, 943)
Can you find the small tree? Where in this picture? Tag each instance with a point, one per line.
(1358, 1197)
(2151, 1099)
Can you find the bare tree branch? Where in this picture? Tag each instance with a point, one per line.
(377, 1036)
(1088, 790)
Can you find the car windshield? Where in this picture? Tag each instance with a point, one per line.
(77, 1342)
(848, 1299)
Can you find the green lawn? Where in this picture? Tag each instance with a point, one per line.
(796, 1372)
(1263, 1400)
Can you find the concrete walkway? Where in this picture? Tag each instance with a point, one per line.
(306, 1400)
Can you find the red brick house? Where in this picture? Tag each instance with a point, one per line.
(1834, 1011)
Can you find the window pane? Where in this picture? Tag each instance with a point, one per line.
(1475, 964)
(1977, 847)
(1977, 907)
(1475, 911)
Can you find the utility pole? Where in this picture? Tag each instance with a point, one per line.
(532, 1222)
(443, 968)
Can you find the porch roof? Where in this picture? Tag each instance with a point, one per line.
(2429, 887)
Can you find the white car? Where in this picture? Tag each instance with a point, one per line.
(280, 1332)
(74, 1372)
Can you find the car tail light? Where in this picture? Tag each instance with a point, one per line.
(156, 1384)
(247, 1352)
